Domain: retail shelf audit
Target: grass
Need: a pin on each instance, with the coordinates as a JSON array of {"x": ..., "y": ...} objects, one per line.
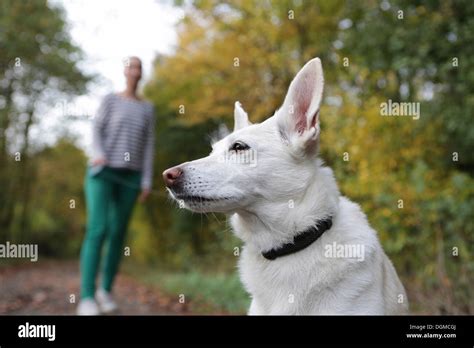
[{"x": 208, "y": 293}]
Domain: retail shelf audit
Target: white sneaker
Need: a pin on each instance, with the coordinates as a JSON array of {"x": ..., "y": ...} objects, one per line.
[
  {"x": 88, "y": 306},
  {"x": 105, "y": 301}
]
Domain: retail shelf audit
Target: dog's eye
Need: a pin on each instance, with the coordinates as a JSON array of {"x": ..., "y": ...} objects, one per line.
[{"x": 239, "y": 146}]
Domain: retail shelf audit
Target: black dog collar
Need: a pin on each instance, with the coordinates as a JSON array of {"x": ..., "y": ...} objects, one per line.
[{"x": 301, "y": 241}]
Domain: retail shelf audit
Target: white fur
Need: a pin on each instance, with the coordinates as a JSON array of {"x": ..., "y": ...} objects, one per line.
[
  {"x": 240, "y": 117},
  {"x": 287, "y": 190}
]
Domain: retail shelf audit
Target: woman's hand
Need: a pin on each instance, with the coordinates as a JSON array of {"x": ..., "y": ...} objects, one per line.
[
  {"x": 99, "y": 161},
  {"x": 144, "y": 195}
]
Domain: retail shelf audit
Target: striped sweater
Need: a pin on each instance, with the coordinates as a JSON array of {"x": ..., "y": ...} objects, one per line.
[{"x": 123, "y": 134}]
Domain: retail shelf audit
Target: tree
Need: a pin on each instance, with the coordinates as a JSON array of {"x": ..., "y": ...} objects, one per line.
[
  {"x": 39, "y": 66},
  {"x": 420, "y": 51},
  {"x": 238, "y": 50}
]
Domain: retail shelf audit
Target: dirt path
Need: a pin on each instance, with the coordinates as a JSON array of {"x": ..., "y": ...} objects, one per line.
[{"x": 46, "y": 288}]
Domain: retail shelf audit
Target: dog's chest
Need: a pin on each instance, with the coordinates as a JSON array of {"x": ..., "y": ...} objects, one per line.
[
  {"x": 304, "y": 283},
  {"x": 279, "y": 287}
]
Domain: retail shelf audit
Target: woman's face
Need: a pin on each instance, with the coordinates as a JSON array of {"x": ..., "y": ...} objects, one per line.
[{"x": 133, "y": 70}]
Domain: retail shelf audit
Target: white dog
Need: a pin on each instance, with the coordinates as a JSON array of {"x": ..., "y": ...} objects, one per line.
[{"x": 308, "y": 250}]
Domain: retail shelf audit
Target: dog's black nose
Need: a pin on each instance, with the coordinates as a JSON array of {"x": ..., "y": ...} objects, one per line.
[{"x": 171, "y": 175}]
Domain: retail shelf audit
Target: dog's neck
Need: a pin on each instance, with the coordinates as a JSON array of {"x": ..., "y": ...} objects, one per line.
[{"x": 268, "y": 225}]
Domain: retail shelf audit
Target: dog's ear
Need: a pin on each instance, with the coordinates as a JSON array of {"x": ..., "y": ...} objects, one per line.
[
  {"x": 298, "y": 117},
  {"x": 241, "y": 119}
]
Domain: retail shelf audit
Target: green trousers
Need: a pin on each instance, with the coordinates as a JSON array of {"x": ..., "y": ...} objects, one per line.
[{"x": 110, "y": 197}]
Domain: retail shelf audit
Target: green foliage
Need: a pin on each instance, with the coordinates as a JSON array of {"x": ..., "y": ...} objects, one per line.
[
  {"x": 419, "y": 52},
  {"x": 38, "y": 67},
  {"x": 57, "y": 201},
  {"x": 427, "y": 56},
  {"x": 239, "y": 50}
]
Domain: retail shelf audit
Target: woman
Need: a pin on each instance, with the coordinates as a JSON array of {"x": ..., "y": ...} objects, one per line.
[{"x": 121, "y": 167}]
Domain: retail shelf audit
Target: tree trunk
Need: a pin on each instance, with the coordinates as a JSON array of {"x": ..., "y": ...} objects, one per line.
[
  {"x": 6, "y": 187},
  {"x": 25, "y": 180}
]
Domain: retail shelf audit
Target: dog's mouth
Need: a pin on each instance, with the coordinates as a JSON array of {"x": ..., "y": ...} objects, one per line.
[
  {"x": 201, "y": 203},
  {"x": 195, "y": 199},
  {"x": 188, "y": 198},
  {"x": 198, "y": 199}
]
